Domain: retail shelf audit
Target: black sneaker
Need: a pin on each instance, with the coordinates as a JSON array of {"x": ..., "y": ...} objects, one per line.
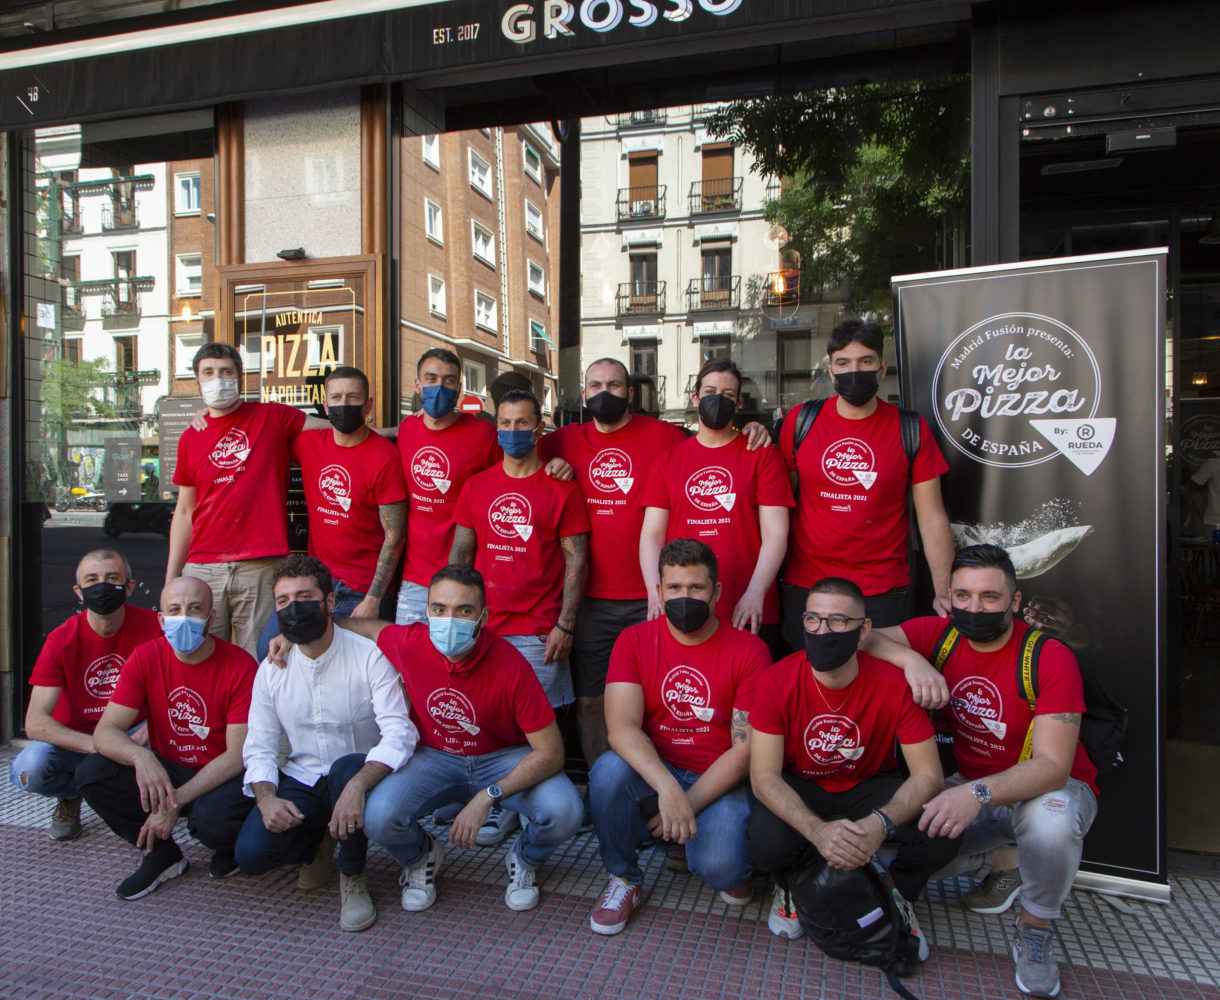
[
  {"x": 153, "y": 870},
  {"x": 222, "y": 865}
]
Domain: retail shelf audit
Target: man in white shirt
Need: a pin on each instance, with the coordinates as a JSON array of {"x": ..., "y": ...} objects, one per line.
[{"x": 340, "y": 707}]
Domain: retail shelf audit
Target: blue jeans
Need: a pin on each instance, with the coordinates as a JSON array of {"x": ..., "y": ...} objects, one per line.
[
  {"x": 412, "y": 603},
  {"x": 550, "y": 811},
  {"x": 555, "y": 677},
  {"x": 48, "y": 769},
  {"x": 619, "y": 799},
  {"x": 259, "y": 850},
  {"x": 346, "y": 600}
]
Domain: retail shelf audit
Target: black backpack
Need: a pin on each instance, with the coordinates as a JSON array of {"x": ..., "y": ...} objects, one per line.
[{"x": 853, "y": 917}]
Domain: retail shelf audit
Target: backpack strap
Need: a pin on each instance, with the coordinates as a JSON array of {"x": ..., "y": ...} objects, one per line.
[
  {"x": 912, "y": 434},
  {"x": 944, "y": 649},
  {"x": 805, "y": 417},
  {"x": 1027, "y": 682}
]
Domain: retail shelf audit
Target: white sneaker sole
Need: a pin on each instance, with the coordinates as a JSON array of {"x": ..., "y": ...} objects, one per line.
[
  {"x": 1000, "y": 907},
  {"x": 782, "y": 929},
  {"x": 1025, "y": 989}
]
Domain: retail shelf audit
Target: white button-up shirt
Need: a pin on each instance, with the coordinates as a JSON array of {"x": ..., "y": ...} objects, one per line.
[{"x": 349, "y": 700}]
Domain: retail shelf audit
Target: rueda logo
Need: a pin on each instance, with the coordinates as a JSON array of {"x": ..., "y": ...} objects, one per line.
[
  {"x": 832, "y": 739},
  {"x": 231, "y": 450},
  {"x": 452, "y": 711},
  {"x": 335, "y": 485},
  {"x": 430, "y": 470},
  {"x": 977, "y": 705},
  {"x": 687, "y": 695},
  {"x": 711, "y": 489},
  {"x": 850, "y": 462},
  {"x": 610, "y": 471},
  {"x": 996, "y": 379},
  {"x": 102, "y": 674},
  {"x": 511, "y": 516},
  {"x": 188, "y": 715}
]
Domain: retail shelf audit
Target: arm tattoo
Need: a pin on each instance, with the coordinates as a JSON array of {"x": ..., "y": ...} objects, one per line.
[
  {"x": 576, "y": 566},
  {"x": 463, "y": 546},
  {"x": 393, "y": 522},
  {"x": 1071, "y": 718},
  {"x": 740, "y": 726}
]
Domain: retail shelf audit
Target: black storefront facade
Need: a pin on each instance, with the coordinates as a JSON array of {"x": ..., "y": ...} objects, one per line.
[{"x": 1091, "y": 126}]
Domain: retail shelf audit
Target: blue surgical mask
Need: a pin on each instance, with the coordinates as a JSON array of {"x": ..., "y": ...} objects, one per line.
[
  {"x": 453, "y": 636},
  {"x": 517, "y": 444},
  {"x": 439, "y": 400},
  {"x": 184, "y": 633}
]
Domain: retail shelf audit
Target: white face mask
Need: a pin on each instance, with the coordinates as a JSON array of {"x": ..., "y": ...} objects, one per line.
[{"x": 220, "y": 393}]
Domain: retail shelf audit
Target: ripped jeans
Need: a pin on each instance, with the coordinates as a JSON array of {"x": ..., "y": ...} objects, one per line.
[{"x": 1049, "y": 833}]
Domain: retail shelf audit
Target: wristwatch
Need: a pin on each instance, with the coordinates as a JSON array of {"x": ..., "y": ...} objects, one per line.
[
  {"x": 888, "y": 823},
  {"x": 981, "y": 792},
  {"x": 494, "y": 793}
]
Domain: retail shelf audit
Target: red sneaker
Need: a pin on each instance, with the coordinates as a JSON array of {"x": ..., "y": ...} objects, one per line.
[{"x": 611, "y": 913}]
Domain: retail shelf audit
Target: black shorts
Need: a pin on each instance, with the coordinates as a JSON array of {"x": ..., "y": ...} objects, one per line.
[{"x": 598, "y": 624}]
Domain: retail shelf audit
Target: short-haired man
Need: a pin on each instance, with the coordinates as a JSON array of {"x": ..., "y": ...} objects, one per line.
[
  {"x": 851, "y": 474},
  {"x": 678, "y": 697},
  {"x": 486, "y": 735},
  {"x": 229, "y": 525},
  {"x": 822, "y": 766},
  {"x": 1023, "y": 776},
  {"x": 713, "y": 488},
  {"x": 613, "y": 456},
  {"x": 338, "y": 704},
  {"x": 195, "y": 691},
  {"x": 73, "y": 680}
]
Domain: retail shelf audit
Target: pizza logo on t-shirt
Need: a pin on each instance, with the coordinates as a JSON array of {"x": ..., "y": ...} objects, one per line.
[
  {"x": 452, "y": 711},
  {"x": 511, "y": 516},
  {"x": 430, "y": 470},
  {"x": 849, "y": 462},
  {"x": 831, "y": 739},
  {"x": 610, "y": 471},
  {"x": 687, "y": 695},
  {"x": 335, "y": 485},
  {"x": 231, "y": 450},
  {"x": 188, "y": 715},
  {"x": 711, "y": 489},
  {"x": 102, "y": 674},
  {"x": 977, "y": 705}
]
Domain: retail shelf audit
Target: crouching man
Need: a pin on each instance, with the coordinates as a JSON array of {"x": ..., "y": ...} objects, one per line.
[{"x": 339, "y": 705}]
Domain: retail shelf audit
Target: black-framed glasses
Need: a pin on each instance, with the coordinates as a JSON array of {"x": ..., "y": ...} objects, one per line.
[{"x": 836, "y": 623}]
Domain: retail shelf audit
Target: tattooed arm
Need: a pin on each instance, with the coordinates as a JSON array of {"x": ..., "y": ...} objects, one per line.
[
  {"x": 728, "y": 770},
  {"x": 393, "y": 524},
  {"x": 576, "y": 568},
  {"x": 464, "y": 542}
]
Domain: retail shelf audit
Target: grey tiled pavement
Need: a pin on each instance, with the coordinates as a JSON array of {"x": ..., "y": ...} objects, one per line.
[{"x": 67, "y": 936}]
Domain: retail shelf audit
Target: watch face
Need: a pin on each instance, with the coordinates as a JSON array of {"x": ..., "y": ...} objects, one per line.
[
  {"x": 494, "y": 791},
  {"x": 981, "y": 792}
]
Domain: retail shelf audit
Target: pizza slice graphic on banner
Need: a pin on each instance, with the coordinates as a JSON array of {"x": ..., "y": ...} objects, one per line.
[
  {"x": 1085, "y": 442},
  {"x": 727, "y": 500}
]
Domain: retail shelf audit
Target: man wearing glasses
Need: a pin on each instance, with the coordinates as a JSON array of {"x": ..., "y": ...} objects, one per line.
[{"x": 822, "y": 762}]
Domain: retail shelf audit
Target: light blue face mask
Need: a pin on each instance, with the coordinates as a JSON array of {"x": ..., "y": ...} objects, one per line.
[
  {"x": 516, "y": 444},
  {"x": 183, "y": 633},
  {"x": 438, "y": 400},
  {"x": 454, "y": 636}
]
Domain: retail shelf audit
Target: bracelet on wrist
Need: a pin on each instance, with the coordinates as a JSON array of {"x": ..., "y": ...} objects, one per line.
[{"x": 564, "y": 629}]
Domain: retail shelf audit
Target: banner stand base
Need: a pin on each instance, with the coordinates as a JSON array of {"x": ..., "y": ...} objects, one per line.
[{"x": 1116, "y": 885}]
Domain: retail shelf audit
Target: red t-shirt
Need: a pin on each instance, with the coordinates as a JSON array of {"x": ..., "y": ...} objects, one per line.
[
  {"x": 436, "y": 465},
  {"x": 690, "y": 692},
  {"x": 851, "y": 516},
  {"x": 239, "y": 468},
  {"x": 988, "y": 714},
  {"x": 612, "y": 470},
  {"x": 842, "y": 737},
  {"x": 713, "y": 494},
  {"x": 85, "y": 666},
  {"x": 487, "y": 702},
  {"x": 518, "y": 524},
  {"x": 344, "y": 487},
  {"x": 188, "y": 704}
]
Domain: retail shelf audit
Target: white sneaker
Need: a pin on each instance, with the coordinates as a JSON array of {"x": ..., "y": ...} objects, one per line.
[
  {"x": 419, "y": 883},
  {"x": 522, "y": 893},
  {"x": 909, "y": 912},
  {"x": 499, "y": 824},
  {"x": 783, "y": 920}
]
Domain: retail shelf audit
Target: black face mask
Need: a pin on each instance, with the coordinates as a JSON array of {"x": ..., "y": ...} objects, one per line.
[
  {"x": 828, "y": 651},
  {"x": 302, "y": 621},
  {"x": 856, "y": 388},
  {"x": 687, "y": 614},
  {"x": 981, "y": 626},
  {"x": 716, "y": 411},
  {"x": 345, "y": 419},
  {"x": 605, "y": 407},
  {"x": 104, "y": 598}
]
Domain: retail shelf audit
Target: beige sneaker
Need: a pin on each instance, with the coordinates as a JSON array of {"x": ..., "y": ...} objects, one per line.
[
  {"x": 65, "y": 819},
  {"x": 317, "y": 874},
  {"x": 357, "y": 912}
]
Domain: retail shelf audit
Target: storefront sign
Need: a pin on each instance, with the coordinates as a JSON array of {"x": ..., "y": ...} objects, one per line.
[
  {"x": 1042, "y": 383},
  {"x": 1199, "y": 438},
  {"x": 174, "y": 415},
  {"x": 121, "y": 469}
]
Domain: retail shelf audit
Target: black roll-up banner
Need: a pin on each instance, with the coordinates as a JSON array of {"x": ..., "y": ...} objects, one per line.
[{"x": 1044, "y": 385}]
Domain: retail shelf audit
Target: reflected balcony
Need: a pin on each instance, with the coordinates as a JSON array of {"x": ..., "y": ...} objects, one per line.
[
  {"x": 641, "y": 202},
  {"x": 119, "y": 216},
  {"x": 722, "y": 195},
  {"x": 640, "y": 118},
  {"x": 714, "y": 291},
  {"x": 639, "y": 298}
]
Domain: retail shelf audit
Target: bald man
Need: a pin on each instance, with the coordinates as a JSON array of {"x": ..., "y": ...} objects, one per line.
[
  {"x": 73, "y": 680},
  {"x": 194, "y": 690}
]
